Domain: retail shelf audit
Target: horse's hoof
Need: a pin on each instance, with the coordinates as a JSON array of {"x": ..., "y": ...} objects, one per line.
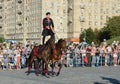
[
  {"x": 28, "y": 73},
  {"x": 43, "y": 73},
  {"x": 52, "y": 73},
  {"x": 58, "y": 74},
  {"x": 37, "y": 74},
  {"x": 48, "y": 73},
  {"x": 47, "y": 76}
]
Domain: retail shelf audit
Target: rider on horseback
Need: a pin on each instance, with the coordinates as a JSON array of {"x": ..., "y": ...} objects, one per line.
[{"x": 48, "y": 27}]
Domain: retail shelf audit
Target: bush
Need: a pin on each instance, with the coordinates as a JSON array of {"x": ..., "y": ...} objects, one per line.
[{"x": 110, "y": 41}]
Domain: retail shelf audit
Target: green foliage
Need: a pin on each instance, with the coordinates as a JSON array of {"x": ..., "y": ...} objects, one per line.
[
  {"x": 113, "y": 39},
  {"x": 113, "y": 26},
  {"x": 109, "y": 31},
  {"x": 104, "y": 34},
  {"x": 2, "y": 39},
  {"x": 97, "y": 36},
  {"x": 88, "y": 34}
]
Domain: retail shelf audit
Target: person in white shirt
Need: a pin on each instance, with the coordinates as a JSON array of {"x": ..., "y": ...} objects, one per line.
[
  {"x": 109, "y": 55},
  {"x": 115, "y": 55},
  {"x": 68, "y": 52},
  {"x": 83, "y": 53},
  {"x": 76, "y": 55},
  {"x": 93, "y": 51},
  {"x": 17, "y": 58}
]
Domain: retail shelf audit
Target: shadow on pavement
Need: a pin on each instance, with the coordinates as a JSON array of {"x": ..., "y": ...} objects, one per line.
[{"x": 108, "y": 81}]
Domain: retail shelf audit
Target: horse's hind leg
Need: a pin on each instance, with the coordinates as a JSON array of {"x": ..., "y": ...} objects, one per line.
[
  {"x": 42, "y": 67},
  {"x": 29, "y": 67}
]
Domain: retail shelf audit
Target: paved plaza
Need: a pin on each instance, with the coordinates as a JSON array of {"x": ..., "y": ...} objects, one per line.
[{"x": 77, "y": 75}]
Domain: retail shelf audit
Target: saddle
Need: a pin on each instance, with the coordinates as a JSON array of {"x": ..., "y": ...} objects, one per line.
[{"x": 37, "y": 49}]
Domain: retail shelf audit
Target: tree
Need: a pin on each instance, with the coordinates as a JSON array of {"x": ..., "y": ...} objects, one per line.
[
  {"x": 113, "y": 26},
  {"x": 88, "y": 34},
  {"x": 97, "y": 36},
  {"x": 104, "y": 34},
  {"x": 2, "y": 39}
]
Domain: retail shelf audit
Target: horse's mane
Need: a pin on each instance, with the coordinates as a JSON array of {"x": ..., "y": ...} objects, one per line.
[
  {"x": 60, "y": 40},
  {"x": 48, "y": 41}
]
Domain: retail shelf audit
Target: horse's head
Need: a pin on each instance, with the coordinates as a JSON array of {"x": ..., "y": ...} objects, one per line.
[
  {"x": 63, "y": 44},
  {"x": 51, "y": 43}
]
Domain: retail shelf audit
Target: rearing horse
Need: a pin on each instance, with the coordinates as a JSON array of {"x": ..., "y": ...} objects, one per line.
[{"x": 56, "y": 54}]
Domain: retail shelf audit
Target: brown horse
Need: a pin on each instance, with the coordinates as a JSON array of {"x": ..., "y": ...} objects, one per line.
[
  {"x": 45, "y": 55},
  {"x": 42, "y": 52},
  {"x": 60, "y": 46}
]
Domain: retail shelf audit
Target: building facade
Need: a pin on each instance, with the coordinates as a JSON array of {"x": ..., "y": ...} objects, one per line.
[
  {"x": 33, "y": 20},
  {"x": 58, "y": 9},
  {"x": 22, "y": 19},
  {"x": 92, "y": 13},
  {"x": 1, "y": 18}
]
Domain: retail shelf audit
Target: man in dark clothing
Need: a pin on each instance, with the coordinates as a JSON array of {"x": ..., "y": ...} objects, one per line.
[{"x": 48, "y": 27}]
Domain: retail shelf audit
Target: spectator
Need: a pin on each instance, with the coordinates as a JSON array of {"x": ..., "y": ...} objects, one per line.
[
  {"x": 77, "y": 55},
  {"x": 115, "y": 54},
  {"x": 97, "y": 56},
  {"x": 119, "y": 54},
  {"x": 83, "y": 53},
  {"x": 17, "y": 57},
  {"x": 109, "y": 54},
  {"x": 93, "y": 51},
  {"x": 23, "y": 57},
  {"x": 28, "y": 50},
  {"x": 88, "y": 54},
  {"x": 68, "y": 56},
  {"x": 1, "y": 57}
]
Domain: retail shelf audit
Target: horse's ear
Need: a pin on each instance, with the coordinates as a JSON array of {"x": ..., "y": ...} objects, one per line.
[{"x": 65, "y": 40}]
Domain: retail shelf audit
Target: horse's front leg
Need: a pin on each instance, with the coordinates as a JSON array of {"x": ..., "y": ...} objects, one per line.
[
  {"x": 46, "y": 70},
  {"x": 60, "y": 66},
  {"x": 52, "y": 67}
]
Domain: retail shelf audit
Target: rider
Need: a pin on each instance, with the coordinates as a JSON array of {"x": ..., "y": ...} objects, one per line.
[{"x": 48, "y": 27}]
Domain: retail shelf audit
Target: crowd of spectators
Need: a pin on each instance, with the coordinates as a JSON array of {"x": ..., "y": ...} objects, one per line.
[
  {"x": 14, "y": 56},
  {"x": 92, "y": 55}
]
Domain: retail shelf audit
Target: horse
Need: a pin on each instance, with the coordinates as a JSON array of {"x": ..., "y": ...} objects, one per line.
[
  {"x": 41, "y": 52},
  {"x": 45, "y": 55},
  {"x": 60, "y": 46}
]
